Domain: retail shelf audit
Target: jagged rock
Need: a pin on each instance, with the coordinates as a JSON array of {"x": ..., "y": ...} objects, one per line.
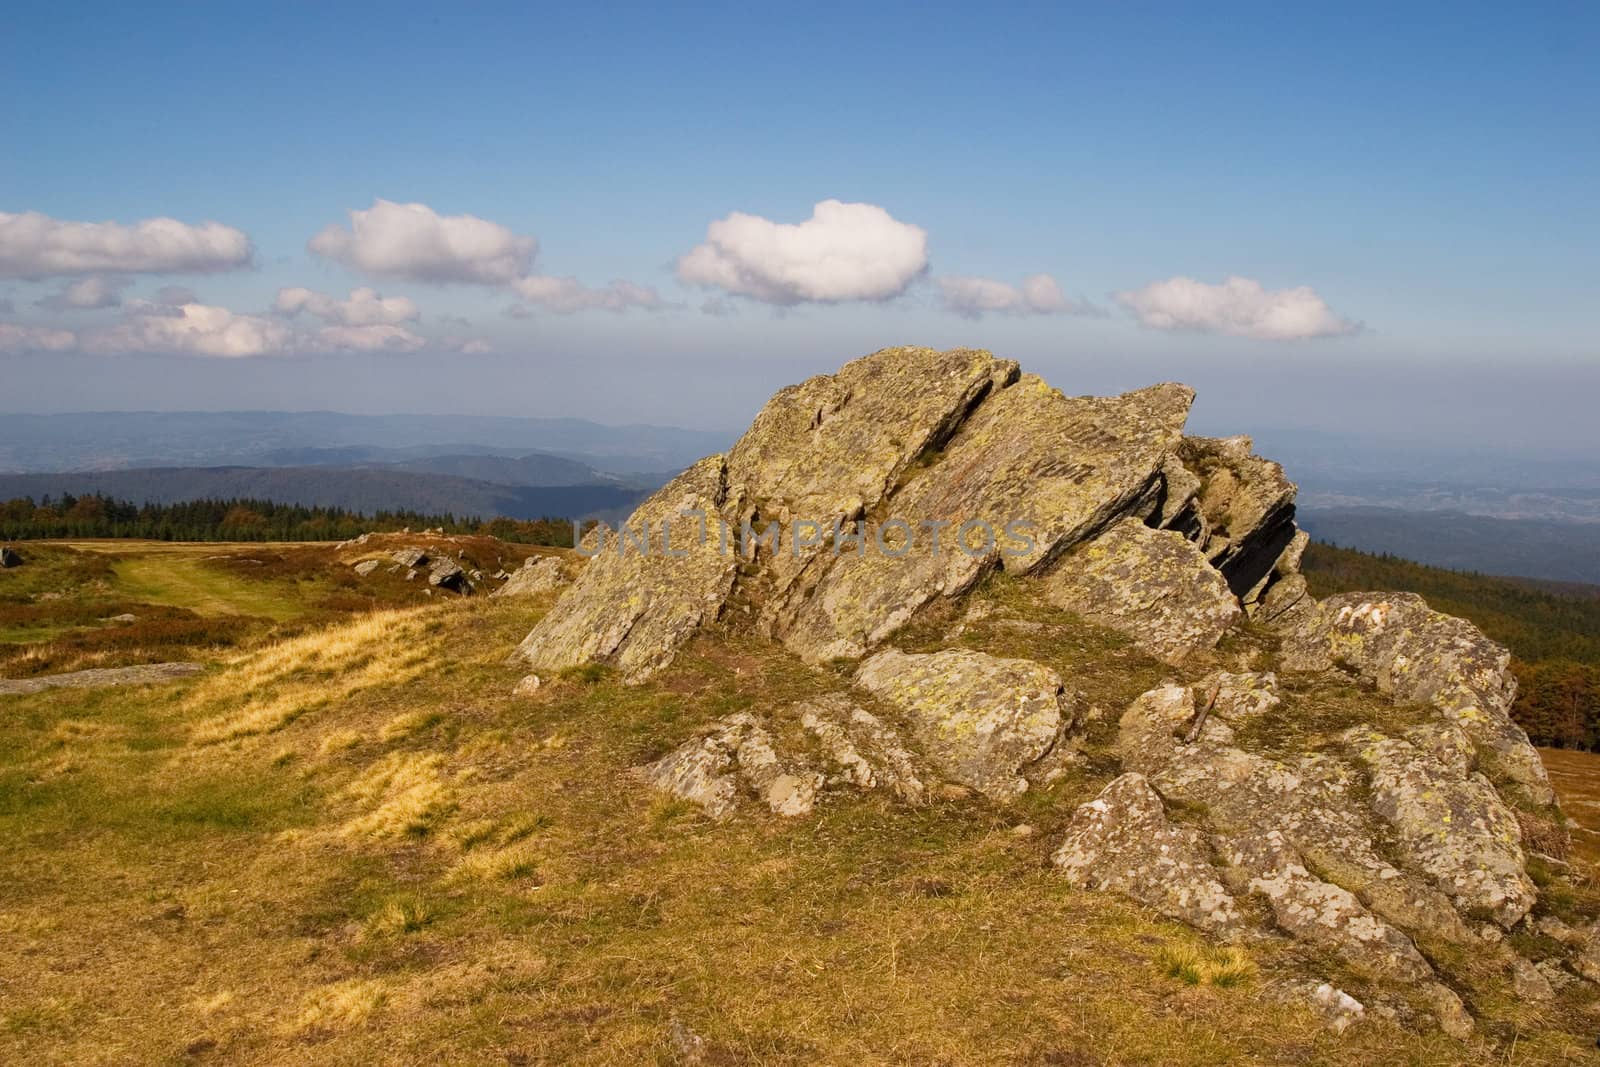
[
  {"x": 1418, "y": 655},
  {"x": 1450, "y": 824},
  {"x": 1528, "y": 982},
  {"x": 1152, "y": 585},
  {"x": 869, "y": 752},
  {"x": 1123, "y": 841},
  {"x": 367, "y": 566},
  {"x": 709, "y": 770},
  {"x": 633, "y": 607},
  {"x": 447, "y": 574},
  {"x": 1180, "y": 487},
  {"x": 1587, "y": 960},
  {"x": 1448, "y": 1010},
  {"x": 982, "y": 721},
  {"x": 409, "y": 557},
  {"x": 1058, "y": 469},
  {"x": 9, "y": 557},
  {"x": 539, "y": 574},
  {"x": 1246, "y": 506}
]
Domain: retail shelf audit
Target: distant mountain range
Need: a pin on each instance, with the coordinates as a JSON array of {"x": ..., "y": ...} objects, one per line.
[{"x": 128, "y": 439}]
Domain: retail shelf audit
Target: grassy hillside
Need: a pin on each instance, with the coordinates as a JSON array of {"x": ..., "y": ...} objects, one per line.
[
  {"x": 1553, "y": 632},
  {"x": 352, "y": 844}
]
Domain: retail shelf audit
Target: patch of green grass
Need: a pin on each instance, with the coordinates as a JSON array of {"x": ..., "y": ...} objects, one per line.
[{"x": 198, "y": 585}]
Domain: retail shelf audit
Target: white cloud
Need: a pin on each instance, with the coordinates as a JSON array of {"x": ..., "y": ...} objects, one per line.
[
  {"x": 1239, "y": 307},
  {"x": 33, "y": 245},
  {"x": 87, "y": 294},
  {"x": 467, "y": 346},
  {"x": 365, "y": 307},
  {"x": 566, "y": 295},
  {"x": 413, "y": 241},
  {"x": 15, "y": 338},
  {"x": 843, "y": 252},
  {"x": 1039, "y": 294},
  {"x": 373, "y": 337},
  {"x": 194, "y": 330}
]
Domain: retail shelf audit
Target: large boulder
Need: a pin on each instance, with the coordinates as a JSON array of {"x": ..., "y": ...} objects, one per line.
[
  {"x": 9, "y": 557},
  {"x": 983, "y": 722},
  {"x": 1243, "y": 513},
  {"x": 1153, "y": 585},
  {"x": 638, "y": 600}
]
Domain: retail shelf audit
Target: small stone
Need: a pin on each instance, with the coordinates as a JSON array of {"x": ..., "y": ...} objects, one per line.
[
  {"x": 9, "y": 557},
  {"x": 529, "y": 684},
  {"x": 1022, "y": 829},
  {"x": 1339, "y": 1008}
]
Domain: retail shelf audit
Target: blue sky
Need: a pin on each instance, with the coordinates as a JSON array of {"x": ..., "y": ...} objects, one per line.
[{"x": 1427, "y": 176}]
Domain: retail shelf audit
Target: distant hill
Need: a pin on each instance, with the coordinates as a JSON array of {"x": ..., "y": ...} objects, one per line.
[
  {"x": 1532, "y": 548},
  {"x": 353, "y": 489},
  {"x": 128, "y": 439}
]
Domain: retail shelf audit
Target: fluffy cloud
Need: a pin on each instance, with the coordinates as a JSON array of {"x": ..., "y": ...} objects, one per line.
[
  {"x": 566, "y": 295},
  {"x": 467, "y": 346},
  {"x": 87, "y": 294},
  {"x": 413, "y": 241},
  {"x": 1039, "y": 294},
  {"x": 15, "y": 338},
  {"x": 37, "y": 246},
  {"x": 1239, "y": 307},
  {"x": 365, "y": 307},
  {"x": 195, "y": 330},
  {"x": 373, "y": 337},
  {"x": 842, "y": 252}
]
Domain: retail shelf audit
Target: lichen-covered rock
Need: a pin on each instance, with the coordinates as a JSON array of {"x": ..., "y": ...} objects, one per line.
[
  {"x": 409, "y": 557},
  {"x": 538, "y": 574},
  {"x": 1152, "y": 585},
  {"x": 709, "y": 770},
  {"x": 1054, "y": 469},
  {"x": 1318, "y": 912},
  {"x": 982, "y": 721},
  {"x": 1246, "y": 505},
  {"x": 1418, "y": 655},
  {"x": 1450, "y": 824},
  {"x": 634, "y": 605},
  {"x": 367, "y": 566},
  {"x": 1122, "y": 841},
  {"x": 867, "y": 751},
  {"x": 447, "y": 574}
]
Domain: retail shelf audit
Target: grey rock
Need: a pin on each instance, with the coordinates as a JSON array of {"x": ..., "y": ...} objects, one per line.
[
  {"x": 709, "y": 771},
  {"x": 101, "y": 678},
  {"x": 9, "y": 557},
  {"x": 538, "y": 575},
  {"x": 982, "y": 721},
  {"x": 1152, "y": 585},
  {"x": 1122, "y": 841},
  {"x": 367, "y": 566},
  {"x": 868, "y": 752},
  {"x": 409, "y": 557}
]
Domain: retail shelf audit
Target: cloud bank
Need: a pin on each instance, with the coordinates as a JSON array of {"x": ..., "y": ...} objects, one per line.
[
  {"x": 33, "y": 245},
  {"x": 843, "y": 252},
  {"x": 364, "y": 307},
  {"x": 414, "y": 242},
  {"x": 567, "y": 295},
  {"x": 1239, "y": 307},
  {"x": 16, "y": 338},
  {"x": 193, "y": 330},
  {"x": 1039, "y": 294}
]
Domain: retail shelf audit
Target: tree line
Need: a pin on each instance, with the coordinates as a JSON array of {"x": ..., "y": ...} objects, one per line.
[
  {"x": 22, "y": 519},
  {"x": 1553, "y": 634}
]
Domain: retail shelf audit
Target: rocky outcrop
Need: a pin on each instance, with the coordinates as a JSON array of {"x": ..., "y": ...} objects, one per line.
[
  {"x": 983, "y": 722},
  {"x": 447, "y": 574},
  {"x": 1390, "y": 842},
  {"x": 1152, "y": 585}
]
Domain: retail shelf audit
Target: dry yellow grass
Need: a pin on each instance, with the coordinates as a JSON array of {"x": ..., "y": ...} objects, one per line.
[
  {"x": 404, "y": 793},
  {"x": 267, "y": 690},
  {"x": 340, "y": 1007}
]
